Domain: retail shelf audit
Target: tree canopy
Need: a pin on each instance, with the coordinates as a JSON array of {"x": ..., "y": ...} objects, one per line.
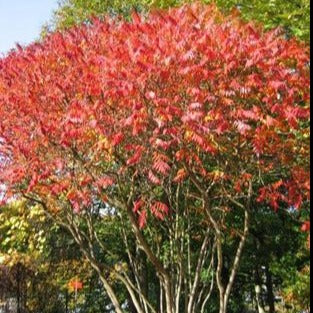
[{"x": 292, "y": 16}]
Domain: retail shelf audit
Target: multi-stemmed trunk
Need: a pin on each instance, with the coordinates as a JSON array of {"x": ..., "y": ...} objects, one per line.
[{"x": 170, "y": 290}]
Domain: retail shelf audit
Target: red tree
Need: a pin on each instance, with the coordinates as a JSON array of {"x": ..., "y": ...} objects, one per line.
[{"x": 127, "y": 112}]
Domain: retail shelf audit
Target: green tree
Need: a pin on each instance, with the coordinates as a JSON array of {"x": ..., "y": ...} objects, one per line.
[
  {"x": 293, "y": 16},
  {"x": 38, "y": 259},
  {"x": 24, "y": 253}
]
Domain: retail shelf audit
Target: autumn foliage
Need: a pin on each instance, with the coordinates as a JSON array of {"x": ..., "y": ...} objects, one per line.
[
  {"x": 181, "y": 95},
  {"x": 178, "y": 126}
]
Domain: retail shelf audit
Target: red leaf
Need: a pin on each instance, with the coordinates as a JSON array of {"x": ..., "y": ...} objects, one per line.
[
  {"x": 153, "y": 178},
  {"x": 136, "y": 18},
  {"x": 306, "y": 226},
  {"x": 278, "y": 184},
  {"x": 180, "y": 176},
  {"x": 195, "y": 105},
  {"x": 117, "y": 139},
  {"x": 138, "y": 205},
  {"x": 33, "y": 182},
  {"x": 136, "y": 158},
  {"x": 242, "y": 127},
  {"x": 276, "y": 85},
  {"x": 142, "y": 220},
  {"x": 193, "y": 116},
  {"x": 162, "y": 144},
  {"x": 159, "y": 210},
  {"x": 104, "y": 182},
  {"x": 150, "y": 95},
  {"x": 160, "y": 163},
  {"x": 161, "y": 167}
]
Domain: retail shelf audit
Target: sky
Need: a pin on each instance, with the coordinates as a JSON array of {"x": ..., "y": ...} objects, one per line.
[{"x": 21, "y": 21}]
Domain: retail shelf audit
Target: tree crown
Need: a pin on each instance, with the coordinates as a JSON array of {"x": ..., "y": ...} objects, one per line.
[{"x": 183, "y": 95}]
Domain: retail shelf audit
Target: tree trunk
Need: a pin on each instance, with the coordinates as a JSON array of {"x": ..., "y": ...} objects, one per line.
[
  {"x": 143, "y": 272},
  {"x": 270, "y": 293},
  {"x": 168, "y": 296},
  {"x": 132, "y": 308},
  {"x": 18, "y": 291},
  {"x": 66, "y": 301},
  {"x": 161, "y": 293},
  {"x": 258, "y": 292},
  {"x": 222, "y": 307},
  {"x": 111, "y": 294}
]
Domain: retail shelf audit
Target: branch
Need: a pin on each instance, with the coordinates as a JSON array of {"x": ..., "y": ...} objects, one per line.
[
  {"x": 240, "y": 248},
  {"x": 154, "y": 260},
  {"x": 199, "y": 267},
  {"x": 212, "y": 284}
]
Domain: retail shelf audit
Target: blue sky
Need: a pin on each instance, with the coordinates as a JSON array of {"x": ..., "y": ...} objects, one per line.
[{"x": 21, "y": 21}]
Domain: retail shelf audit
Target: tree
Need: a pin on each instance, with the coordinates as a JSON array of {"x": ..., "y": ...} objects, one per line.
[
  {"x": 292, "y": 16},
  {"x": 291, "y": 267},
  {"x": 38, "y": 260},
  {"x": 22, "y": 243},
  {"x": 275, "y": 258},
  {"x": 167, "y": 127}
]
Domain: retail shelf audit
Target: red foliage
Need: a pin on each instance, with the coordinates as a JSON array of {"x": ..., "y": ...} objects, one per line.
[
  {"x": 137, "y": 205},
  {"x": 159, "y": 210},
  {"x": 142, "y": 221},
  {"x": 75, "y": 285},
  {"x": 182, "y": 91},
  {"x": 306, "y": 227}
]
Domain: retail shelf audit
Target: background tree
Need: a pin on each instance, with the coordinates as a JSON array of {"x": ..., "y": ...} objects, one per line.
[
  {"x": 292, "y": 16},
  {"x": 38, "y": 260}
]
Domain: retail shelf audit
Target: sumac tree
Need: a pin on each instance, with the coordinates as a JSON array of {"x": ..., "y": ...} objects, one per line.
[{"x": 166, "y": 124}]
